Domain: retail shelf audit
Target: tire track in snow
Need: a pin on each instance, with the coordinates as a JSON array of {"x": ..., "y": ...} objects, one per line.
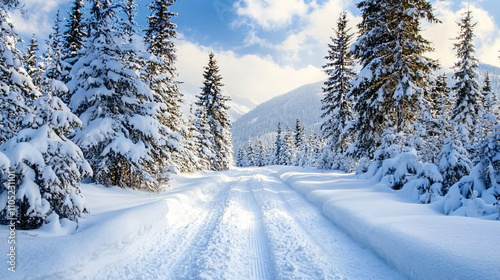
[
  {"x": 295, "y": 254},
  {"x": 171, "y": 246},
  {"x": 349, "y": 257},
  {"x": 237, "y": 248}
]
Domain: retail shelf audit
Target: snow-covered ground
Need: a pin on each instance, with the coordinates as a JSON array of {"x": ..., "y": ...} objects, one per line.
[{"x": 257, "y": 223}]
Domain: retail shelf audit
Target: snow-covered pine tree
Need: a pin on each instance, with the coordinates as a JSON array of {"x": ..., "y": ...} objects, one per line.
[
  {"x": 74, "y": 36},
  {"x": 278, "y": 147},
  {"x": 240, "y": 158},
  {"x": 54, "y": 54},
  {"x": 16, "y": 88},
  {"x": 121, "y": 135},
  {"x": 393, "y": 80},
  {"x": 32, "y": 61},
  {"x": 467, "y": 108},
  {"x": 260, "y": 152},
  {"x": 205, "y": 139},
  {"x": 213, "y": 104},
  {"x": 298, "y": 134},
  {"x": 249, "y": 154},
  {"x": 454, "y": 159},
  {"x": 160, "y": 72},
  {"x": 337, "y": 113},
  {"x": 190, "y": 146},
  {"x": 48, "y": 166},
  {"x": 288, "y": 148}
]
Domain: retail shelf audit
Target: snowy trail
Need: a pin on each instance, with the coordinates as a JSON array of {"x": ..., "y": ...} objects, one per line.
[{"x": 250, "y": 226}]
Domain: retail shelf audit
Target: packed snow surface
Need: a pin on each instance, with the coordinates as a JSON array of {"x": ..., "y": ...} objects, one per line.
[{"x": 258, "y": 223}]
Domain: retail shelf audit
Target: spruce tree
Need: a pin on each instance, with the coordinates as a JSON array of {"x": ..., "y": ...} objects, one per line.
[
  {"x": 74, "y": 36},
  {"x": 32, "y": 61},
  {"x": 213, "y": 104},
  {"x": 48, "y": 166},
  {"x": 278, "y": 147},
  {"x": 53, "y": 57},
  {"x": 250, "y": 154},
  {"x": 467, "y": 108},
  {"x": 160, "y": 72},
  {"x": 16, "y": 87},
  {"x": 122, "y": 136},
  {"x": 394, "y": 77},
  {"x": 337, "y": 113},
  {"x": 298, "y": 134}
]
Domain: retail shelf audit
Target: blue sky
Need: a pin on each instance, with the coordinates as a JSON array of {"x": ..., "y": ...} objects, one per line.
[{"x": 267, "y": 47}]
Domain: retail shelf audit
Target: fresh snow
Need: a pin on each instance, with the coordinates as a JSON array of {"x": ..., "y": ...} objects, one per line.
[{"x": 258, "y": 223}]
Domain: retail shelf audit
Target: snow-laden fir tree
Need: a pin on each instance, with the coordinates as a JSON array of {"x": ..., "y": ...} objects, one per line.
[
  {"x": 32, "y": 61},
  {"x": 121, "y": 136},
  {"x": 260, "y": 152},
  {"x": 212, "y": 104},
  {"x": 279, "y": 147},
  {"x": 48, "y": 166},
  {"x": 454, "y": 159},
  {"x": 337, "y": 112},
  {"x": 467, "y": 108},
  {"x": 240, "y": 158},
  {"x": 394, "y": 77},
  {"x": 250, "y": 154},
  {"x": 288, "y": 149},
  {"x": 74, "y": 36},
  {"x": 190, "y": 136},
  {"x": 160, "y": 72},
  {"x": 16, "y": 88},
  {"x": 298, "y": 134},
  {"x": 53, "y": 56}
]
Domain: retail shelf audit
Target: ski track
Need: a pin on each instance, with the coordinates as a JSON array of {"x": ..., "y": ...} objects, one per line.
[{"x": 252, "y": 227}]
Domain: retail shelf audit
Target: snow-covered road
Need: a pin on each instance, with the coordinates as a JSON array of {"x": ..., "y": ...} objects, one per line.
[{"x": 249, "y": 226}]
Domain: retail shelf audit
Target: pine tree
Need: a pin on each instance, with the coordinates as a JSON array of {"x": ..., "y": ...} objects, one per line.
[
  {"x": 240, "y": 158},
  {"x": 278, "y": 147},
  {"x": 337, "y": 113},
  {"x": 122, "y": 136},
  {"x": 298, "y": 134},
  {"x": 467, "y": 108},
  {"x": 393, "y": 81},
  {"x": 160, "y": 72},
  {"x": 74, "y": 35},
  {"x": 260, "y": 154},
  {"x": 190, "y": 135},
  {"x": 16, "y": 87},
  {"x": 48, "y": 166},
  {"x": 454, "y": 163},
  {"x": 288, "y": 148},
  {"x": 53, "y": 57},
  {"x": 32, "y": 61},
  {"x": 212, "y": 104},
  {"x": 250, "y": 154}
]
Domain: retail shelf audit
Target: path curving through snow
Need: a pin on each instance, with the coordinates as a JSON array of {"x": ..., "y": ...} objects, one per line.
[{"x": 250, "y": 225}]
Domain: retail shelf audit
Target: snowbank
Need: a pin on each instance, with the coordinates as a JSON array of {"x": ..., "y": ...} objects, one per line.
[
  {"x": 121, "y": 221},
  {"x": 415, "y": 238}
]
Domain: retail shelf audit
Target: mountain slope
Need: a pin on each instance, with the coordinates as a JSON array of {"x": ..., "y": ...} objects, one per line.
[{"x": 304, "y": 103}]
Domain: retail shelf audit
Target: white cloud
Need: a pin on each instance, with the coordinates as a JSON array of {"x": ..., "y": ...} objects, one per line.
[
  {"x": 270, "y": 14},
  {"x": 248, "y": 76},
  {"x": 35, "y": 17},
  {"x": 487, "y": 40}
]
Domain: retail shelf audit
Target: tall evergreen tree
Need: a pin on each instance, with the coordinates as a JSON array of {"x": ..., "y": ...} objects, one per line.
[
  {"x": 16, "y": 87},
  {"x": 278, "y": 147},
  {"x": 54, "y": 54},
  {"x": 467, "y": 108},
  {"x": 75, "y": 34},
  {"x": 122, "y": 136},
  {"x": 32, "y": 61},
  {"x": 213, "y": 104},
  {"x": 160, "y": 72},
  {"x": 393, "y": 81},
  {"x": 337, "y": 113},
  {"x": 298, "y": 134}
]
